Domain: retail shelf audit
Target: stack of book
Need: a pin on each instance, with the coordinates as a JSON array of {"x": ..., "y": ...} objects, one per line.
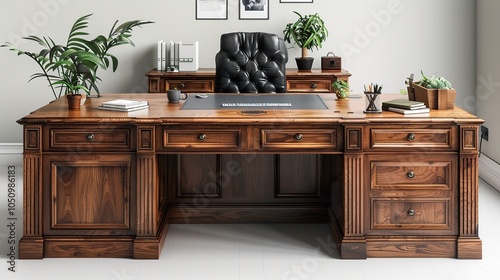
[
  {"x": 124, "y": 105},
  {"x": 405, "y": 106}
]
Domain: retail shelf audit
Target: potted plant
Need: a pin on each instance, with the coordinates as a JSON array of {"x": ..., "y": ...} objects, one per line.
[
  {"x": 307, "y": 32},
  {"x": 435, "y": 92},
  {"x": 341, "y": 89},
  {"x": 72, "y": 67}
]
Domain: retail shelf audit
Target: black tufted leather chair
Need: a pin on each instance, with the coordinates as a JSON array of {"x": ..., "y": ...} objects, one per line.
[{"x": 251, "y": 62}]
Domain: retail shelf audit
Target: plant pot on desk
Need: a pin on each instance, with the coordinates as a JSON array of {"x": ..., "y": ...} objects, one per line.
[
  {"x": 74, "y": 101},
  {"x": 435, "y": 99}
]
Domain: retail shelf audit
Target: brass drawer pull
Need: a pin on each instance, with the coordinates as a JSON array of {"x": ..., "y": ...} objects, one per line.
[
  {"x": 410, "y": 175},
  {"x": 411, "y": 212},
  {"x": 90, "y": 137},
  {"x": 202, "y": 136},
  {"x": 314, "y": 85},
  {"x": 410, "y": 137},
  {"x": 298, "y": 137}
]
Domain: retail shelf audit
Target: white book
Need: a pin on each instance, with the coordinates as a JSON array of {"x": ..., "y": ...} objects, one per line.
[
  {"x": 409, "y": 112},
  {"x": 161, "y": 55},
  {"x": 123, "y": 109},
  {"x": 125, "y": 103}
]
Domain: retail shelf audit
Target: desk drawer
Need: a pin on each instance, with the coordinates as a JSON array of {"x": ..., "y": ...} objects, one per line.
[
  {"x": 410, "y": 214},
  {"x": 90, "y": 139},
  {"x": 412, "y": 172},
  {"x": 412, "y": 138},
  {"x": 202, "y": 138},
  {"x": 309, "y": 85},
  {"x": 190, "y": 85},
  {"x": 298, "y": 138}
]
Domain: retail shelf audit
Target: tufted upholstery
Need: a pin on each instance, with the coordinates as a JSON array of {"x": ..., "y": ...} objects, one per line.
[{"x": 251, "y": 63}]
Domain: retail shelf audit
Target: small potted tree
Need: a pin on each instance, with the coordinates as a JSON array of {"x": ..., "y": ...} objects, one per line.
[
  {"x": 307, "y": 32},
  {"x": 72, "y": 68},
  {"x": 341, "y": 89}
]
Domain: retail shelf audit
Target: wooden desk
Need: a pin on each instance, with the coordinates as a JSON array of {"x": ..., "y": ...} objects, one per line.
[
  {"x": 203, "y": 80},
  {"x": 108, "y": 184}
]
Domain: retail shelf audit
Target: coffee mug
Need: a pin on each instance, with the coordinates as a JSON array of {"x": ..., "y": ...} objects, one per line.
[{"x": 174, "y": 95}]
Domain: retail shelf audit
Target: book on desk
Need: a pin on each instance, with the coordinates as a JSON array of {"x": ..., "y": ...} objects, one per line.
[{"x": 405, "y": 106}]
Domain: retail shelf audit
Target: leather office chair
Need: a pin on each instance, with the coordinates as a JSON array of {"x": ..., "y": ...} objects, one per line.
[{"x": 251, "y": 62}]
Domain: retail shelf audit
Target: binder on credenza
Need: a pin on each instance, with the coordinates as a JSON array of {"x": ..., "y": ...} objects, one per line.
[{"x": 161, "y": 55}]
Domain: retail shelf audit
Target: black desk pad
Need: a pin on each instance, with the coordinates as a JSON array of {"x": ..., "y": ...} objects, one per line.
[{"x": 254, "y": 101}]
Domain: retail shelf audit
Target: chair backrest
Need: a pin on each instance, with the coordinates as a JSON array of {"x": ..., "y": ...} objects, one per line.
[{"x": 251, "y": 62}]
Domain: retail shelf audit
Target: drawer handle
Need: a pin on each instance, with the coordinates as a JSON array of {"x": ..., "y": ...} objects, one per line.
[
  {"x": 314, "y": 85},
  {"x": 202, "y": 136},
  {"x": 182, "y": 85},
  {"x": 410, "y": 175},
  {"x": 298, "y": 137},
  {"x": 410, "y": 136},
  {"x": 90, "y": 137},
  {"x": 411, "y": 212}
]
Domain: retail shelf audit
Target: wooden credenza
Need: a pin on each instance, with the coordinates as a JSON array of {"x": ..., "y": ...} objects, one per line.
[
  {"x": 108, "y": 184},
  {"x": 203, "y": 80}
]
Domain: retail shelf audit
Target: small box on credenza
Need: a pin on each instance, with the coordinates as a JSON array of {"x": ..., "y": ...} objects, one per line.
[{"x": 331, "y": 62}]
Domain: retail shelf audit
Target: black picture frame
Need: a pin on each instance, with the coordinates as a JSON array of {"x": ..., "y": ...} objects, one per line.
[
  {"x": 258, "y": 9},
  {"x": 211, "y": 9}
]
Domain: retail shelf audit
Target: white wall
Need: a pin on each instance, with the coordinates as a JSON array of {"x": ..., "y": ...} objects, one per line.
[
  {"x": 488, "y": 73},
  {"x": 379, "y": 41}
]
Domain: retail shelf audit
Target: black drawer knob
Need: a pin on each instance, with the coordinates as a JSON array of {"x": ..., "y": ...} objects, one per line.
[
  {"x": 410, "y": 136},
  {"x": 298, "y": 137},
  {"x": 411, "y": 212},
  {"x": 314, "y": 85},
  {"x": 202, "y": 136},
  {"x": 410, "y": 175},
  {"x": 182, "y": 85},
  {"x": 90, "y": 137}
]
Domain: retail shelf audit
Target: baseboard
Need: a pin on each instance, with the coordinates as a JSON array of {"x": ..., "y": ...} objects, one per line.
[
  {"x": 11, "y": 148},
  {"x": 489, "y": 170}
]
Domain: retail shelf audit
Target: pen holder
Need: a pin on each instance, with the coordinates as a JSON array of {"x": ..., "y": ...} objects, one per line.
[{"x": 373, "y": 102}]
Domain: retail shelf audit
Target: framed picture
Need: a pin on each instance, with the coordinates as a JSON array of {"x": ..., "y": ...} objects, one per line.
[
  {"x": 296, "y": 1},
  {"x": 211, "y": 9},
  {"x": 254, "y": 9}
]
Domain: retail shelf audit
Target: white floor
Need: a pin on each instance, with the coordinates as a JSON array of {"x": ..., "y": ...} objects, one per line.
[{"x": 254, "y": 252}]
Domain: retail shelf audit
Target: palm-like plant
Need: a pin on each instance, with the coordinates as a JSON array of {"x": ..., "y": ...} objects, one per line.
[
  {"x": 307, "y": 32},
  {"x": 73, "y": 67}
]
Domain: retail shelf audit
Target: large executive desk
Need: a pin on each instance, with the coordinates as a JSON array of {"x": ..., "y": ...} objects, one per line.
[{"x": 108, "y": 184}]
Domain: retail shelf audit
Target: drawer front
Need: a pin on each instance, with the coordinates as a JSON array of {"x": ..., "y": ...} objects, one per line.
[
  {"x": 229, "y": 139},
  {"x": 411, "y": 172},
  {"x": 309, "y": 85},
  {"x": 190, "y": 85},
  {"x": 298, "y": 138},
  {"x": 410, "y": 214},
  {"x": 413, "y": 138},
  {"x": 90, "y": 139}
]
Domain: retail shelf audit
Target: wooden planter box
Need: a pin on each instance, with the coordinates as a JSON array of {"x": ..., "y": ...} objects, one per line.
[{"x": 436, "y": 99}]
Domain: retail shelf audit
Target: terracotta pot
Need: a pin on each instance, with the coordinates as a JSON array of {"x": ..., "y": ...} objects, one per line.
[{"x": 74, "y": 101}]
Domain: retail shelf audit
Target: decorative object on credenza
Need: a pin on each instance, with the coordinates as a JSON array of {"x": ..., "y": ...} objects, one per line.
[
  {"x": 307, "y": 32},
  {"x": 436, "y": 92},
  {"x": 254, "y": 9},
  {"x": 331, "y": 62},
  {"x": 211, "y": 9},
  {"x": 373, "y": 102},
  {"x": 341, "y": 89},
  {"x": 73, "y": 67}
]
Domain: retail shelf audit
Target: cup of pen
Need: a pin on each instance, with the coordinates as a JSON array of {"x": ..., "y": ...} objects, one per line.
[{"x": 373, "y": 102}]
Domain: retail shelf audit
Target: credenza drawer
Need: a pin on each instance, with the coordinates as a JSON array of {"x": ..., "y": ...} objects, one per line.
[
  {"x": 83, "y": 139},
  {"x": 309, "y": 85},
  {"x": 410, "y": 214},
  {"x": 298, "y": 138},
  {"x": 202, "y": 138},
  {"x": 412, "y": 138},
  {"x": 190, "y": 85}
]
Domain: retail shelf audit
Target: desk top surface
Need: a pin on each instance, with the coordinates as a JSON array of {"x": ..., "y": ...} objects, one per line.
[{"x": 160, "y": 111}]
